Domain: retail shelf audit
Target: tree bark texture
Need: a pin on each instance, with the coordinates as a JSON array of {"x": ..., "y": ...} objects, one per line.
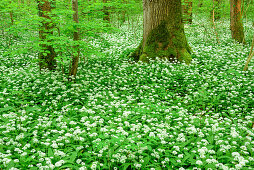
[
  {"x": 236, "y": 24},
  {"x": 187, "y": 11},
  {"x": 75, "y": 57},
  {"x": 163, "y": 34},
  {"x": 47, "y": 54}
]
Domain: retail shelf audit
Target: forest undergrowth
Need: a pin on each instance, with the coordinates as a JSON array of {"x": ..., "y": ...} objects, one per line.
[{"x": 124, "y": 115}]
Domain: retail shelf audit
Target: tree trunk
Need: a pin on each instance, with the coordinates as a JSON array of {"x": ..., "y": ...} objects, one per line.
[
  {"x": 187, "y": 11},
  {"x": 250, "y": 55},
  {"x": 213, "y": 21},
  {"x": 47, "y": 54},
  {"x": 163, "y": 34},
  {"x": 216, "y": 11},
  {"x": 236, "y": 24},
  {"x": 123, "y": 13},
  {"x": 106, "y": 12},
  {"x": 75, "y": 57},
  {"x": 11, "y": 15}
]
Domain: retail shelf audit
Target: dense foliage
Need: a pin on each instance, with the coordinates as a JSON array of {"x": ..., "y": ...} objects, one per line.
[{"x": 120, "y": 114}]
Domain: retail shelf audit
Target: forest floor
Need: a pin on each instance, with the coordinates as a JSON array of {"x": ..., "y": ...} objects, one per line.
[{"x": 119, "y": 115}]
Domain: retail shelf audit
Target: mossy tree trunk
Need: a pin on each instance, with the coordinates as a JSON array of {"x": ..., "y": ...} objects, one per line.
[
  {"x": 236, "y": 24},
  {"x": 163, "y": 35},
  {"x": 75, "y": 57},
  {"x": 47, "y": 54}
]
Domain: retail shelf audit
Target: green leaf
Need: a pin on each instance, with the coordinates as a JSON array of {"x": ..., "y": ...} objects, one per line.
[
  {"x": 68, "y": 165},
  {"x": 50, "y": 152},
  {"x": 146, "y": 160},
  {"x": 73, "y": 156},
  {"x": 7, "y": 108},
  {"x": 10, "y": 165},
  {"x": 125, "y": 166},
  {"x": 30, "y": 109}
]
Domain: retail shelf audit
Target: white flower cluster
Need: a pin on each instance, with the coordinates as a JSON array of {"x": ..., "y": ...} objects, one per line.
[{"x": 241, "y": 161}]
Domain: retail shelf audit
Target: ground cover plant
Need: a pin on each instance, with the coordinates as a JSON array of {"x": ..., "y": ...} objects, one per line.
[{"x": 124, "y": 115}]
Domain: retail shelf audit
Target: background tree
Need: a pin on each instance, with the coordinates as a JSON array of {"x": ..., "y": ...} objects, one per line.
[
  {"x": 75, "y": 57},
  {"x": 163, "y": 34},
  {"x": 47, "y": 54},
  {"x": 250, "y": 55},
  {"x": 216, "y": 10},
  {"x": 187, "y": 11},
  {"x": 106, "y": 12},
  {"x": 11, "y": 16},
  {"x": 215, "y": 17},
  {"x": 236, "y": 24}
]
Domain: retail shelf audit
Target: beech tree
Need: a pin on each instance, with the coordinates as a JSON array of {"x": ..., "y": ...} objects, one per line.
[
  {"x": 163, "y": 34},
  {"x": 47, "y": 54},
  {"x": 236, "y": 24}
]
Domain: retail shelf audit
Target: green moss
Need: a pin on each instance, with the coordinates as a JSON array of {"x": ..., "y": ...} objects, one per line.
[
  {"x": 166, "y": 43},
  {"x": 157, "y": 42},
  {"x": 159, "y": 34},
  {"x": 144, "y": 58},
  {"x": 239, "y": 36},
  {"x": 184, "y": 56},
  {"x": 188, "y": 48},
  {"x": 138, "y": 51},
  {"x": 179, "y": 40}
]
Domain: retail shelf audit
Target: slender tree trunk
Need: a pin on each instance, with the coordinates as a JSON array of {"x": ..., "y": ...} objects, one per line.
[
  {"x": 75, "y": 57},
  {"x": 47, "y": 55},
  {"x": 11, "y": 15},
  {"x": 213, "y": 20},
  {"x": 187, "y": 11},
  {"x": 163, "y": 34},
  {"x": 216, "y": 11},
  {"x": 250, "y": 55},
  {"x": 236, "y": 24},
  {"x": 106, "y": 12},
  {"x": 123, "y": 13}
]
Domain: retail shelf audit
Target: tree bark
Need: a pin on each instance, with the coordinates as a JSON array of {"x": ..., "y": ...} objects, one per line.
[
  {"x": 11, "y": 15},
  {"x": 75, "y": 57},
  {"x": 163, "y": 34},
  {"x": 236, "y": 24},
  {"x": 123, "y": 13},
  {"x": 187, "y": 11},
  {"x": 106, "y": 16},
  {"x": 216, "y": 11},
  {"x": 213, "y": 21},
  {"x": 47, "y": 54},
  {"x": 250, "y": 55}
]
